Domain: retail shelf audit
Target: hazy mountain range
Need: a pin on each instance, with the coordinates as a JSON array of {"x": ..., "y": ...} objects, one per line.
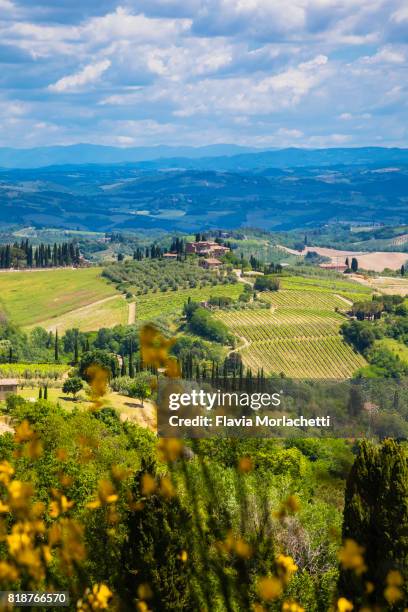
[
  {"x": 212, "y": 157},
  {"x": 291, "y": 188},
  {"x": 96, "y": 154}
]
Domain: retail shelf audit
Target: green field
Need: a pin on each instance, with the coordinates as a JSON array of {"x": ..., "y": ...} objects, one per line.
[
  {"x": 108, "y": 313},
  {"x": 153, "y": 305},
  {"x": 398, "y": 349},
  {"x": 30, "y": 298},
  {"x": 298, "y": 336}
]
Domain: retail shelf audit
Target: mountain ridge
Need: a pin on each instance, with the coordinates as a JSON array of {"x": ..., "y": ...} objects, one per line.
[{"x": 210, "y": 157}]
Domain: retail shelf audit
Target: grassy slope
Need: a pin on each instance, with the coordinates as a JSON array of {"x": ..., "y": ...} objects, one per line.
[
  {"x": 90, "y": 318},
  {"x": 300, "y": 334},
  {"x": 29, "y": 298},
  {"x": 396, "y": 348},
  {"x": 129, "y": 408}
]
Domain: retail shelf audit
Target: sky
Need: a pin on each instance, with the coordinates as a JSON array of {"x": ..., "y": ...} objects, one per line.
[{"x": 261, "y": 73}]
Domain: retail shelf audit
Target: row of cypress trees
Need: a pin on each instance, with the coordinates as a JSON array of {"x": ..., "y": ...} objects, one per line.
[{"x": 24, "y": 254}]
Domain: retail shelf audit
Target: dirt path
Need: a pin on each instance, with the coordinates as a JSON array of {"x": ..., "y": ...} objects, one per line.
[
  {"x": 132, "y": 313},
  {"x": 241, "y": 279},
  {"x": 341, "y": 297},
  {"x": 237, "y": 349}
]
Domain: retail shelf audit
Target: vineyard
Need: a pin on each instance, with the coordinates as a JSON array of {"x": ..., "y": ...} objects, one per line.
[
  {"x": 298, "y": 336},
  {"x": 32, "y": 371},
  {"x": 153, "y": 305}
]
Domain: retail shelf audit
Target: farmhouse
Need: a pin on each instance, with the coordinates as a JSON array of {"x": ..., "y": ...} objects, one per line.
[
  {"x": 170, "y": 255},
  {"x": 7, "y": 386},
  {"x": 206, "y": 247},
  {"x": 211, "y": 263},
  {"x": 332, "y": 266}
]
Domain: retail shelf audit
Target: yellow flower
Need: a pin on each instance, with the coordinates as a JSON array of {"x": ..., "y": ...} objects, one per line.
[
  {"x": 351, "y": 557},
  {"x": 6, "y": 472},
  {"x": 286, "y": 567},
  {"x": 392, "y": 594},
  {"x": 23, "y": 432},
  {"x": 154, "y": 346},
  {"x": 344, "y": 605},
  {"x": 54, "y": 509},
  {"x": 243, "y": 549},
  {"x": 269, "y": 588},
  {"x": 394, "y": 578},
  {"x": 245, "y": 465},
  {"x": 292, "y": 606},
  {"x": 183, "y": 556},
  {"x": 292, "y": 503},
  {"x": 106, "y": 495},
  {"x": 102, "y": 595},
  {"x": 144, "y": 591},
  {"x": 369, "y": 587},
  {"x": 148, "y": 484},
  {"x": 166, "y": 487},
  {"x": 8, "y": 573},
  {"x": 170, "y": 449}
]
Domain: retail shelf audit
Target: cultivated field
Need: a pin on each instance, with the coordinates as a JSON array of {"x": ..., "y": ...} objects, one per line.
[
  {"x": 30, "y": 298},
  {"x": 388, "y": 285},
  {"x": 33, "y": 371},
  {"x": 376, "y": 261},
  {"x": 153, "y": 305},
  {"x": 298, "y": 336}
]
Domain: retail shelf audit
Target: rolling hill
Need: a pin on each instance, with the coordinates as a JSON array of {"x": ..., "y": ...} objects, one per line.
[{"x": 128, "y": 197}]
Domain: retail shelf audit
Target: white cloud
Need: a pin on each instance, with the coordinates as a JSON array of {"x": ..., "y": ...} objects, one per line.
[
  {"x": 400, "y": 15},
  {"x": 289, "y": 133},
  {"x": 89, "y": 74},
  {"x": 6, "y": 5},
  {"x": 123, "y": 25},
  {"x": 386, "y": 55}
]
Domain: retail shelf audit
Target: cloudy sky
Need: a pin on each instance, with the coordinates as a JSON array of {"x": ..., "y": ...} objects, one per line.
[{"x": 265, "y": 73}]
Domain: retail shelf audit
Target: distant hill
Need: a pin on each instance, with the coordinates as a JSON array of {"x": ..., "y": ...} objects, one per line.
[
  {"x": 95, "y": 154},
  {"x": 220, "y": 157},
  {"x": 132, "y": 196}
]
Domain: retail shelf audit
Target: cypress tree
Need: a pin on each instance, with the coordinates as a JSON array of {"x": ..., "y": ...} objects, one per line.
[
  {"x": 40, "y": 394},
  {"x": 376, "y": 518},
  {"x": 76, "y": 348},
  {"x": 56, "y": 347},
  {"x": 157, "y": 533},
  {"x": 45, "y": 392},
  {"x": 131, "y": 366}
]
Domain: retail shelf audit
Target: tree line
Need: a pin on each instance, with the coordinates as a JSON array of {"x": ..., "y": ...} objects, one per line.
[{"x": 25, "y": 255}]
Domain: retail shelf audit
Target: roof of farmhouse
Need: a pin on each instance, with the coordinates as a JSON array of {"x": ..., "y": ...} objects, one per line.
[{"x": 8, "y": 382}]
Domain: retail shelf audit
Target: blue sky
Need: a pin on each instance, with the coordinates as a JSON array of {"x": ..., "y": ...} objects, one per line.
[{"x": 267, "y": 73}]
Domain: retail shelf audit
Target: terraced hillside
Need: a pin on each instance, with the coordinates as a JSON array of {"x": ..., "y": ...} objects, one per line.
[{"x": 298, "y": 335}]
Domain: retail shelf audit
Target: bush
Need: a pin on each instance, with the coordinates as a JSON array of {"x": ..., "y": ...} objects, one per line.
[
  {"x": 203, "y": 324},
  {"x": 267, "y": 283}
]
